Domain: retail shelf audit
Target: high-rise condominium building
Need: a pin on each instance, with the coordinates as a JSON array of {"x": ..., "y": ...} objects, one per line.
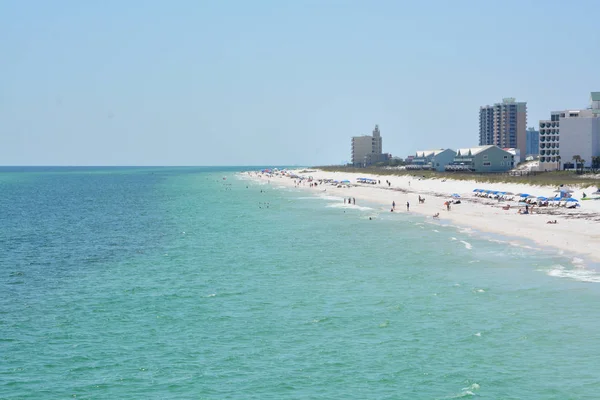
[
  {"x": 532, "y": 138},
  {"x": 504, "y": 125},
  {"x": 570, "y": 133},
  {"x": 367, "y": 149}
]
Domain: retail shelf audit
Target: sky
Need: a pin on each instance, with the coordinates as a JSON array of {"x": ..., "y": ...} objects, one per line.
[{"x": 277, "y": 82}]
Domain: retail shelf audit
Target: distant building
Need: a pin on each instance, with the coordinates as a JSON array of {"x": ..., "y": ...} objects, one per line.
[
  {"x": 432, "y": 159},
  {"x": 372, "y": 158},
  {"x": 366, "y": 146},
  {"x": 516, "y": 153},
  {"x": 504, "y": 124},
  {"x": 489, "y": 158},
  {"x": 569, "y": 133},
  {"x": 532, "y": 139}
]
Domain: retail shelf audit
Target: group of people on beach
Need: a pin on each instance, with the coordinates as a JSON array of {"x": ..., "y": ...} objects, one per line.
[
  {"x": 351, "y": 200},
  {"x": 394, "y": 206}
]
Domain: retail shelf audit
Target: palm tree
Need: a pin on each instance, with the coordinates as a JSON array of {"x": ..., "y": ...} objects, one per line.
[
  {"x": 582, "y": 161},
  {"x": 577, "y": 159},
  {"x": 558, "y": 163},
  {"x": 595, "y": 162}
]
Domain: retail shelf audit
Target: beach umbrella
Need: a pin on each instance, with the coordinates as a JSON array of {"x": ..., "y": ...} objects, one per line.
[
  {"x": 455, "y": 195},
  {"x": 524, "y": 195},
  {"x": 570, "y": 200},
  {"x": 509, "y": 193},
  {"x": 557, "y": 199},
  {"x": 542, "y": 198},
  {"x": 345, "y": 181},
  {"x": 476, "y": 190}
]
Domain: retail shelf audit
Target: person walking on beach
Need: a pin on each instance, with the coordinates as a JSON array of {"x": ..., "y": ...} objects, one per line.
[
  {"x": 353, "y": 201},
  {"x": 393, "y": 205},
  {"x": 407, "y": 206}
]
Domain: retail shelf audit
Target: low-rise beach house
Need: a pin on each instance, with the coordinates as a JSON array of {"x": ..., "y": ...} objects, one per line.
[
  {"x": 489, "y": 158},
  {"x": 432, "y": 159}
]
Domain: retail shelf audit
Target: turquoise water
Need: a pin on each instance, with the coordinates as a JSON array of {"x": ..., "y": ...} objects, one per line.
[{"x": 174, "y": 283}]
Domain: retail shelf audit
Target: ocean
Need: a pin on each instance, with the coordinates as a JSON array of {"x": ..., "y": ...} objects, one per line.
[{"x": 199, "y": 283}]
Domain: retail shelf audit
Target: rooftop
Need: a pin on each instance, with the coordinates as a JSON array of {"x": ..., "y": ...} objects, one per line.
[
  {"x": 428, "y": 153},
  {"x": 473, "y": 150}
]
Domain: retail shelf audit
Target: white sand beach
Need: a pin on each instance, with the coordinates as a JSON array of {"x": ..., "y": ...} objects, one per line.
[{"x": 576, "y": 230}]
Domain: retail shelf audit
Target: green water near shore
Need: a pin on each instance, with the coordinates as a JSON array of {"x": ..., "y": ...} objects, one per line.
[{"x": 176, "y": 283}]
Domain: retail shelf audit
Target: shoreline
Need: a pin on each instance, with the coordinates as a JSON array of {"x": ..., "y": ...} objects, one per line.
[{"x": 577, "y": 231}]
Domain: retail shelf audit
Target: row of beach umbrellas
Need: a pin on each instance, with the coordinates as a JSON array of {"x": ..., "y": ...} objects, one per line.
[{"x": 524, "y": 196}]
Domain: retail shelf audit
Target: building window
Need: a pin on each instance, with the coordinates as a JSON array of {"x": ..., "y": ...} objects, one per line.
[
  {"x": 502, "y": 163},
  {"x": 487, "y": 164},
  {"x": 485, "y": 157},
  {"x": 505, "y": 157}
]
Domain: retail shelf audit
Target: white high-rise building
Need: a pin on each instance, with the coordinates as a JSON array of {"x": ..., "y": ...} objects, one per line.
[{"x": 570, "y": 133}]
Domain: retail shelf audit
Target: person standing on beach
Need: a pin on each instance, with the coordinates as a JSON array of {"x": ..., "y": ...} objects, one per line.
[
  {"x": 407, "y": 206},
  {"x": 353, "y": 201},
  {"x": 393, "y": 205}
]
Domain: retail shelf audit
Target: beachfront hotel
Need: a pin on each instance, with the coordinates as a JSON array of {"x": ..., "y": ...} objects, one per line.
[
  {"x": 569, "y": 133},
  {"x": 367, "y": 150},
  {"x": 504, "y": 125}
]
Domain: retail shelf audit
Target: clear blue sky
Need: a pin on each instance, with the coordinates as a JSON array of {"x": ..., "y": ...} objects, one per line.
[{"x": 189, "y": 82}]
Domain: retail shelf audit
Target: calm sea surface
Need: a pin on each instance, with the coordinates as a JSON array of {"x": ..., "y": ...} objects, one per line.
[{"x": 173, "y": 283}]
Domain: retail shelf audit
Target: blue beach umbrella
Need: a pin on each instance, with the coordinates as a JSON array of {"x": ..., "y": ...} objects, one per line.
[
  {"x": 524, "y": 195},
  {"x": 456, "y": 195},
  {"x": 476, "y": 190},
  {"x": 346, "y": 181},
  {"x": 542, "y": 198}
]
